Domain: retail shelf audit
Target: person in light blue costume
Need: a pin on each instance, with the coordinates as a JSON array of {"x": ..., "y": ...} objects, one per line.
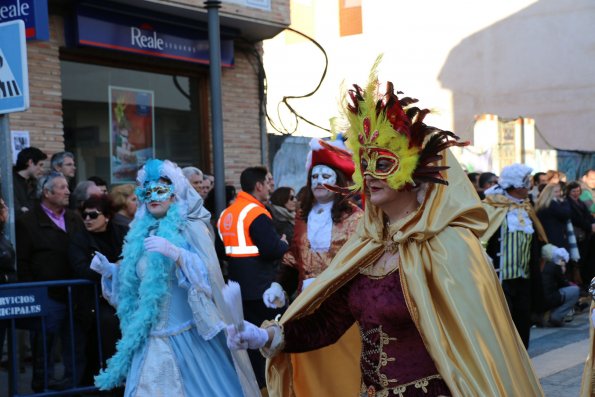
[{"x": 167, "y": 292}]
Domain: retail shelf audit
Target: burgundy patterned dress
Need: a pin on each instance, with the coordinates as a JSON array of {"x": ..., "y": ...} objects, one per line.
[{"x": 394, "y": 360}]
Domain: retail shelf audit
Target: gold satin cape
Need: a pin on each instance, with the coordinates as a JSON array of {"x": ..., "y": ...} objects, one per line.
[{"x": 451, "y": 290}]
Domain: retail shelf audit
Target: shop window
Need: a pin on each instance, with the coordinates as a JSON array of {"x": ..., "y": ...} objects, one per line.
[
  {"x": 350, "y": 17},
  {"x": 115, "y": 119}
]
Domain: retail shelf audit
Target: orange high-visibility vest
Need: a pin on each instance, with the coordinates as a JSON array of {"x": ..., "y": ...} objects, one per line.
[{"x": 234, "y": 225}]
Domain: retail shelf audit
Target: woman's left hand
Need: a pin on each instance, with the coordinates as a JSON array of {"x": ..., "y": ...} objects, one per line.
[{"x": 163, "y": 247}]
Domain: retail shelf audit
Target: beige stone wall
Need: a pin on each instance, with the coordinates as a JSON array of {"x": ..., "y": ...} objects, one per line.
[{"x": 279, "y": 12}]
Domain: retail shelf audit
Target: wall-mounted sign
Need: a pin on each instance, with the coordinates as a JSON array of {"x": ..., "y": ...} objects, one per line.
[
  {"x": 98, "y": 28},
  {"x": 34, "y": 13}
]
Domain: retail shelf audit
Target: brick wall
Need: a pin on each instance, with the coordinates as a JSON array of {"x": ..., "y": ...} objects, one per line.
[
  {"x": 241, "y": 129},
  {"x": 43, "y": 120}
]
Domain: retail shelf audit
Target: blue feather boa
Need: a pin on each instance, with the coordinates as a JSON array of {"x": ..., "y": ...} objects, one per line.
[{"x": 139, "y": 300}]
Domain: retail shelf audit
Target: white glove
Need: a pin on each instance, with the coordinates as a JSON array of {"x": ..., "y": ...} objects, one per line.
[
  {"x": 560, "y": 254},
  {"x": 101, "y": 265},
  {"x": 252, "y": 337},
  {"x": 593, "y": 318},
  {"x": 307, "y": 282},
  {"x": 274, "y": 296},
  {"x": 163, "y": 247}
]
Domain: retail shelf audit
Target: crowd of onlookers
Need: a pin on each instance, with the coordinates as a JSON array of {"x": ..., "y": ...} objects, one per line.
[
  {"x": 60, "y": 225},
  {"x": 566, "y": 210}
]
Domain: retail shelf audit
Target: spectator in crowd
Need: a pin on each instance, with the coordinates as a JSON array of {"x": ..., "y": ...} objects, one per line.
[
  {"x": 282, "y": 209},
  {"x": 28, "y": 168},
  {"x": 486, "y": 180},
  {"x": 559, "y": 294},
  {"x": 512, "y": 244},
  {"x": 552, "y": 177},
  {"x": 43, "y": 236},
  {"x": 125, "y": 203},
  {"x": 8, "y": 269},
  {"x": 167, "y": 290},
  {"x": 82, "y": 192},
  {"x": 194, "y": 176},
  {"x": 583, "y": 227},
  {"x": 230, "y": 196},
  {"x": 554, "y": 213},
  {"x": 253, "y": 249},
  {"x": 101, "y": 235},
  {"x": 206, "y": 187},
  {"x": 588, "y": 194},
  {"x": 539, "y": 179},
  {"x": 64, "y": 162},
  {"x": 100, "y": 183}
]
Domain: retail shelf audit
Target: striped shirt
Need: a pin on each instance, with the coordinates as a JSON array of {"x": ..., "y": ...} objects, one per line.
[{"x": 515, "y": 252}]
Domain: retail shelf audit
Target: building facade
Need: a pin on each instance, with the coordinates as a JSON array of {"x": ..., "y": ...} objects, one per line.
[{"x": 119, "y": 82}]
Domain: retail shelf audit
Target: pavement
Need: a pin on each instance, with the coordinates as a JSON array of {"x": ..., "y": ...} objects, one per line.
[{"x": 558, "y": 356}]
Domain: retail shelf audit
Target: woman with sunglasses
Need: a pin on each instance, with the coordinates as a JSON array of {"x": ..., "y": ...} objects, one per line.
[
  {"x": 104, "y": 236},
  {"x": 282, "y": 208},
  {"x": 414, "y": 278},
  {"x": 325, "y": 221},
  {"x": 167, "y": 291}
]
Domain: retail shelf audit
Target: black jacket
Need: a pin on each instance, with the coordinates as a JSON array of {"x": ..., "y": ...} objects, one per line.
[
  {"x": 553, "y": 279},
  {"x": 8, "y": 269},
  {"x": 555, "y": 222},
  {"x": 24, "y": 193},
  {"x": 255, "y": 274},
  {"x": 42, "y": 248}
]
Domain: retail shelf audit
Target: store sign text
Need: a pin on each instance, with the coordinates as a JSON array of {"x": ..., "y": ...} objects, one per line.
[
  {"x": 146, "y": 41},
  {"x": 34, "y": 13}
]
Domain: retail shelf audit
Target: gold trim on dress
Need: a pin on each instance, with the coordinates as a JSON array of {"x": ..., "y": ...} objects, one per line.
[{"x": 423, "y": 383}]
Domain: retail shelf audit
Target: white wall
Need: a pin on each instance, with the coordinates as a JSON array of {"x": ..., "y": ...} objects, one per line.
[{"x": 459, "y": 57}]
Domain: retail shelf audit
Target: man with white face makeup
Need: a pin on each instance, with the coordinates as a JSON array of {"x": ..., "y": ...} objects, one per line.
[{"x": 324, "y": 222}]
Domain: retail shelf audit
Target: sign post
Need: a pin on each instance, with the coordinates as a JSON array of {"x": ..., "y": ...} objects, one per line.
[{"x": 14, "y": 97}]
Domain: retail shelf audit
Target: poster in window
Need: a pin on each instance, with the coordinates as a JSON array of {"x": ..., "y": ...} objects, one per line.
[
  {"x": 132, "y": 137},
  {"x": 19, "y": 141}
]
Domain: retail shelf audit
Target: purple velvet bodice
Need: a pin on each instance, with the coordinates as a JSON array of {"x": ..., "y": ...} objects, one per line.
[{"x": 394, "y": 360}]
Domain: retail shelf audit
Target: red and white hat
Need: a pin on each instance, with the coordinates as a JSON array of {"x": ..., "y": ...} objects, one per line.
[{"x": 331, "y": 153}]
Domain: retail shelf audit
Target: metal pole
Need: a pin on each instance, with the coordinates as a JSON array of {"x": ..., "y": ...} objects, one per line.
[
  {"x": 216, "y": 112},
  {"x": 6, "y": 176}
]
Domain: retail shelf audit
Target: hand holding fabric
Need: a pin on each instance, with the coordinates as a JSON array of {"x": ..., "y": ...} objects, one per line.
[
  {"x": 102, "y": 265},
  {"x": 252, "y": 337},
  {"x": 274, "y": 296},
  {"x": 163, "y": 247}
]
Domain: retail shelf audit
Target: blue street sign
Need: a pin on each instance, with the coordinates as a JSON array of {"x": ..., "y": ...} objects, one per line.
[{"x": 14, "y": 77}]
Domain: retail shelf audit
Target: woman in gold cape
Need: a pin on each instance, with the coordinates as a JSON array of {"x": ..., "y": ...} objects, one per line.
[
  {"x": 452, "y": 294},
  {"x": 425, "y": 271}
]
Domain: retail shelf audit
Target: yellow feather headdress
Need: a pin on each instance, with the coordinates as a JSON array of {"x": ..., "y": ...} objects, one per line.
[{"x": 389, "y": 139}]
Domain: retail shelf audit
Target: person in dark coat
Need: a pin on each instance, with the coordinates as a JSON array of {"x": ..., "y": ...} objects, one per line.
[
  {"x": 28, "y": 168},
  {"x": 559, "y": 294},
  {"x": 43, "y": 235},
  {"x": 584, "y": 226},
  {"x": 282, "y": 208},
  {"x": 8, "y": 270},
  {"x": 101, "y": 235},
  {"x": 554, "y": 213}
]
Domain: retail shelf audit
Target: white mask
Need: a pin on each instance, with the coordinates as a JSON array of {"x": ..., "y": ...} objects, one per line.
[{"x": 322, "y": 174}]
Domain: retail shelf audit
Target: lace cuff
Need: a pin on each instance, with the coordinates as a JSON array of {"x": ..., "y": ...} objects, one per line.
[{"x": 278, "y": 342}]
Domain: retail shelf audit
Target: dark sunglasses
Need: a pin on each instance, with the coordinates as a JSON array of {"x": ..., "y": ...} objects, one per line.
[
  {"x": 91, "y": 214},
  {"x": 292, "y": 197}
]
